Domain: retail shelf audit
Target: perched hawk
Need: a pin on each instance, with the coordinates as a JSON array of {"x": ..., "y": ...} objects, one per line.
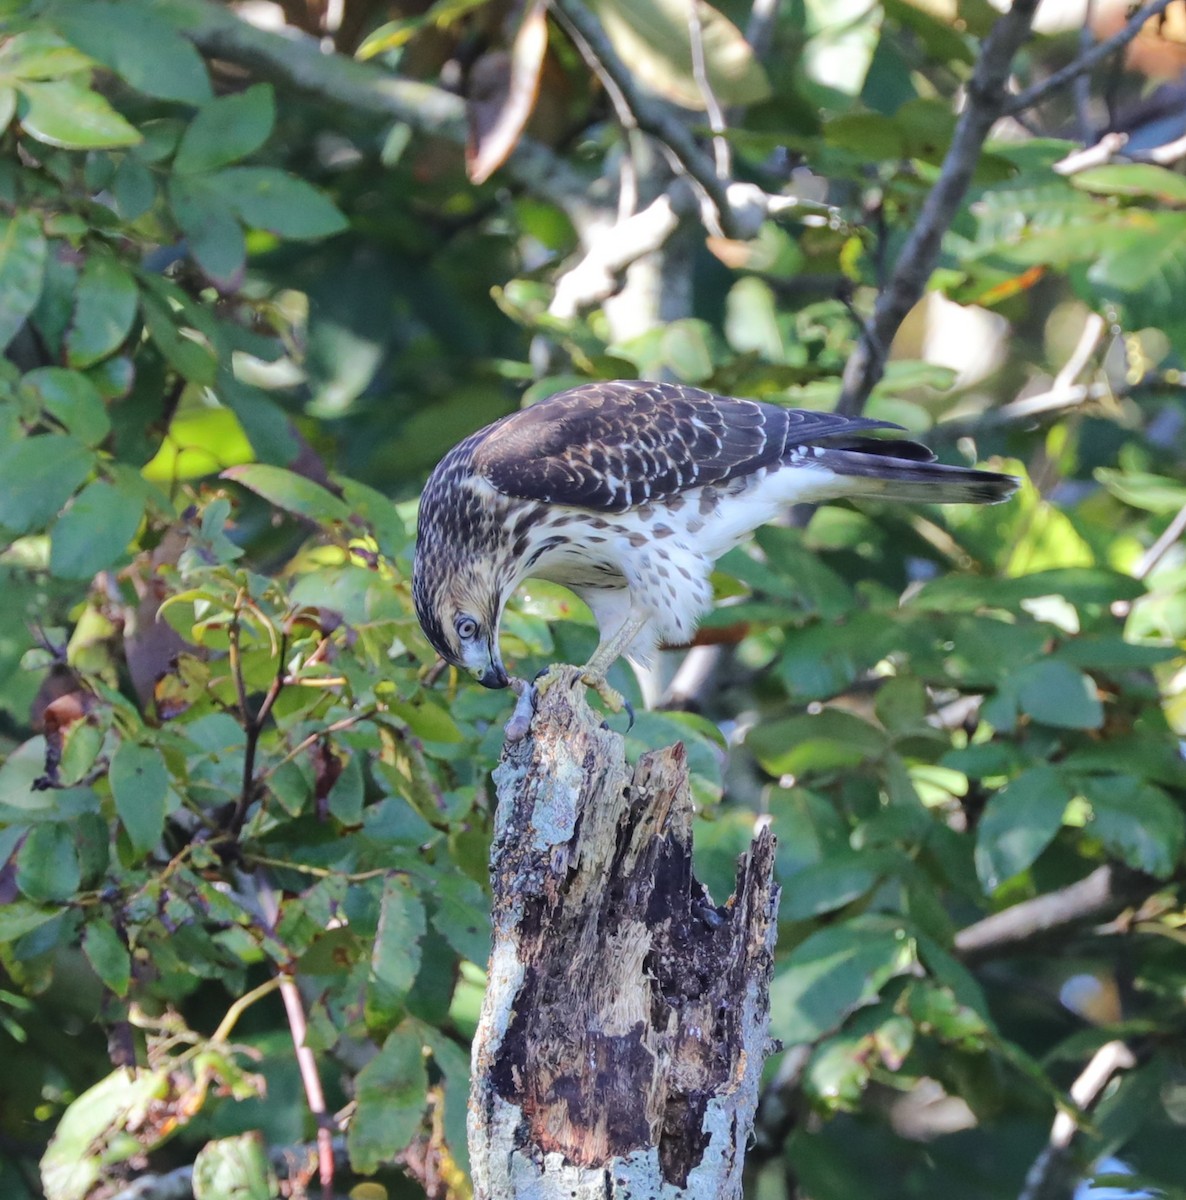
[{"x": 627, "y": 493}]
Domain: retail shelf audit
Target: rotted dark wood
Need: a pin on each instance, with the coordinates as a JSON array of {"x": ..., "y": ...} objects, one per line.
[{"x": 625, "y": 1021}]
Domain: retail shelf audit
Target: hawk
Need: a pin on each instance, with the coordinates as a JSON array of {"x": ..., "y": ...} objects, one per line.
[{"x": 627, "y": 492}]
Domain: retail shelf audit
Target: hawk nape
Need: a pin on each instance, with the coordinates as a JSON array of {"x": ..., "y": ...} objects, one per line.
[{"x": 627, "y": 493}]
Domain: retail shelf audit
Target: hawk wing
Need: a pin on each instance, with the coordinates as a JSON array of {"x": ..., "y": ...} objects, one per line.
[{"x": 613, "y": 446}]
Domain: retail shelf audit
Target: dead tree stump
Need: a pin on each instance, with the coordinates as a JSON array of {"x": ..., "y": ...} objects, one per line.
[{"x": 625, "y": 1021}]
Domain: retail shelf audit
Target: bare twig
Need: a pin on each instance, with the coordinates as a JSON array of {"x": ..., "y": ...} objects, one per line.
[
  {"x": 253, "y": 722},
  {"x": 611, "y": 249},
  {"x": 712, "y": 106},
  {"x": 986, "y": 101},
  {"x": 1107, "y": 891},
  {"x": 311, "y": 1079},
  {"x": 261, "y": 892},
  {"x": 1087, "y": 61},
  {"x": 1094, "y": 155},
  {"x": 1054, "y": 1173},
  {"x": 1093, "y": 332},
  {"x": 1170, "y": 537},
  {"x": 650, "y": 116},
  {"x": 690, "y": 682}
]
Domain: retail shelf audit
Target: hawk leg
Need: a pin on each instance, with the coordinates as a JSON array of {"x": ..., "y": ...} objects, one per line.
[{"x": 593, "y": 673}]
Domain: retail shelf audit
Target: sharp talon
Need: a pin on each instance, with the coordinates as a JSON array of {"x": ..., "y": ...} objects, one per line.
[{"x": 629, "y": 713}]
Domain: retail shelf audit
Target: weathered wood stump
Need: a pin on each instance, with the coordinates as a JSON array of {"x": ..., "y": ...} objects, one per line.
[{"x": 625, "y": 1022}]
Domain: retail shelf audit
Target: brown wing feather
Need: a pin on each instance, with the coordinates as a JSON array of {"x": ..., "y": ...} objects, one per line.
[{"x": 613, "y": 446}]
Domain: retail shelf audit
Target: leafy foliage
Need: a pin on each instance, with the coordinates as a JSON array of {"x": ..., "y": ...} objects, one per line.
[{"x": 241, "y": 324}]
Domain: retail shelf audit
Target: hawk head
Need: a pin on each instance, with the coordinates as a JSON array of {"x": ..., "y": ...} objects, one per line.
[{"x": 459, "y": 605}]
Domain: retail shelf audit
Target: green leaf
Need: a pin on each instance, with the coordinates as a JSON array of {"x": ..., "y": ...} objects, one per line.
[
  {"x": 47, "y": 864},
  {"x": 1137, "y": 822},
  {"x": 40, "y": 54},
  {"x": 234, "y": 1168},
  {"x": 1154, "y": 493},
  {"x": 226, "y": 130},
  {"x": 91, "y": 1134},
  {"x": 195, "y": 362},
  {"x": 814, "y": 742},
  {"x": 391, "y": 1091},
  {"x": 822, "y": 659},
  {"x": 1081, "y": 586},
  {"x": 378, "y": 512},
  {"x": 213, "y": 235},
  {"x": 133, "y": 187},
  {"x": 22, "y": 271},
  {"x": 104, "y": 311},
  {"x": 1132, "y": 179},
  {"x": 106, "y": 952},
  {"x": 839, "y": 879},
  {"x": 18, "y": 917},
  {"x": 1056, "y": 694},
  {"x": 140, "y": 786},
  {"x": 290, "y": 491},
  {"x": 1019, "y": 823},
  {"x": 831, "y": 974},
  {"x": 64, "y": 113},
  {"x": 426, "y": 719},
  {"x": 94, "y": 532},
  {"x": 40, "y": 475},
  {"x": 395, "y": 956},
  {"x": 72, "y": 400},
  {"x": 138, "y": 45},
  {"x": 266, "y": 198},
  {"x": 461, "y": 913},
  {"x": 346, "y": 796}
]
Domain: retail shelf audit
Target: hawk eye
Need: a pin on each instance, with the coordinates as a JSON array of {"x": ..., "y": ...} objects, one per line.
[{"x": 466, "y": 628}]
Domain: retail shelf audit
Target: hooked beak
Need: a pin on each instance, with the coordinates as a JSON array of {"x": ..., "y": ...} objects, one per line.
[{"x": 494, "y": 676}]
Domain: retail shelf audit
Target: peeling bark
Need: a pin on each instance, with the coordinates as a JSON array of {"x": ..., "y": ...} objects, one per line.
[{"x": 624, "y": 1026}]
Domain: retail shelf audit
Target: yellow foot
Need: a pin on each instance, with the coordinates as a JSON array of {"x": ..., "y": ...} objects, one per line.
[{"x": 559, "y": 673}]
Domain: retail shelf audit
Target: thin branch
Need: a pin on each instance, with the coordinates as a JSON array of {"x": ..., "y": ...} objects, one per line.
[
  {"x": 712, "y": 106},
  {"x": 1054, "y": 1173},
  {"x": 1171, "y": 537},
  {"x": 986, "y": 99},
  {"x": 650, "y": 116},
  {"x": 1092, "y": 334},
  {"x": 1105, "y": 892},
  {"x": 239, "y": 1007},
  {"x": 1085, "y": 62},
  {"x": 690, "y": 683},
  {"x": 610, "y": 251},
  {"x": 253, "y": 723},
  {"x": 311, "y": 1079},
  {"x": 337, "y": 726},
  {"x": 267, "y": 901}
]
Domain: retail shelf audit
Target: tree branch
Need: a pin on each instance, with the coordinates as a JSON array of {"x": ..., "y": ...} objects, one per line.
[
  {"x": 651, "y": 117},
  {"x": 623, "y": 1030},
  {"x": 1105, "y": 892},
  {"x": 1086, "y": 61},
  {"x": 986, "y": 99},
  {"x": 1054, "y": 1173},
  {"x": 299, "y": 62}
]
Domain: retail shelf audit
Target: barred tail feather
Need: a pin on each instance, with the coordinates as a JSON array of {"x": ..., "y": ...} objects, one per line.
[{"x": 911, "y": 480}]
